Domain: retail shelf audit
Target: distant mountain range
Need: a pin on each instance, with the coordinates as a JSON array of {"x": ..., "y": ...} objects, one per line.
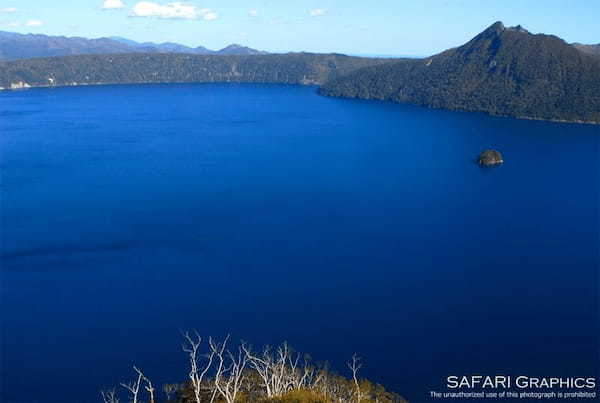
[
  {"x": 14, "y": 46},
  {"x": 503, "y": 71}
]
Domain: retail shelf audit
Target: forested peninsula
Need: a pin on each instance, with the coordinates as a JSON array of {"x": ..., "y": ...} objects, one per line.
[{"x": 290, "y": 68}]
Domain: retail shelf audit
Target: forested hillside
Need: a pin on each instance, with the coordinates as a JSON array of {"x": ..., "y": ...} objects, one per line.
[
  {"x": 591, "y": 49},
  {"x": 502, "y": 71},
  {"x": 291, "y": 68}
]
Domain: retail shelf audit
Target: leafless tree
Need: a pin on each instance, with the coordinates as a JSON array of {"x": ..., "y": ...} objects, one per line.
[
  {"x": 281, "y": 370},
  {"x": 109, "y": 396},
  {"x": 305, "y": 375},
  {"x": 264, "y": 365},
  {"x": 321, "y": 382},
  {"x": 355, "y": 365},
  {"x": 197, "y": 374},
  {"x": 148, "y": 386},
  {"x": 134, "y": 386},
  {"x": 170, "y": 389},
  {"x": 229, "y": 376},
  {"x": 222, "y": 373}
]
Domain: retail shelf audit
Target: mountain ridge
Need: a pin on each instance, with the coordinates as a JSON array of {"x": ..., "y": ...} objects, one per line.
[
  {"x": 504, "y": 71},
  {"x": 591, "y": 49},
  {"x": 15, "y": 46}
]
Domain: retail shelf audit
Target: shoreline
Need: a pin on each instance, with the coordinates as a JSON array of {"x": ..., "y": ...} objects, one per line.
[{"x": 22, "y": 86}]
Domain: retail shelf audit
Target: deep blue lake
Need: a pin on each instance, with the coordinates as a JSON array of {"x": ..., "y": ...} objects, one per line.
[{"x": 130, "y": 213}]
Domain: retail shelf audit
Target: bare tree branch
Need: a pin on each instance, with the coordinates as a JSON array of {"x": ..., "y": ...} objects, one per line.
[
  {"x": 109, "y": 396},
  {"x": 134, "y": 386},
  {"x": 148, "y": 386},
  {"x": 170, "y": 389},
  {"x": 229, "y": 377},
  {"x": 197, "y": 374},
  {"x": 355, "y": 365}
]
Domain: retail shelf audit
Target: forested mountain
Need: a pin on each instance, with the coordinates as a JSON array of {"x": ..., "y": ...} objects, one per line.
[
  {"x": 15, "y": 46},
  {"x": 291, "y": 68},
  {"x": 502, "y": 71},
  {"x": 592, "y": 49}
]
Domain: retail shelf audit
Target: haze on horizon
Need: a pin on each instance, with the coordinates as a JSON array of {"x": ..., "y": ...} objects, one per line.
[{"x": 383, "y": 27}]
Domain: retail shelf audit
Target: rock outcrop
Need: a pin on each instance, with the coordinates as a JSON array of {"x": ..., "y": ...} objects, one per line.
[{"x": 490, "y": 158}]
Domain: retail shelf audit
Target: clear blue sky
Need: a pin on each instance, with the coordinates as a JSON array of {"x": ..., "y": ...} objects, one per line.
[{"x": 390, "y": 27}]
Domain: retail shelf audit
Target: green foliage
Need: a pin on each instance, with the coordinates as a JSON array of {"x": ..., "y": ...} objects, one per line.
[
  {"x": 502, "y": 71},
  {"x": 300, "y": 396},
  {"x": 291, "y": 68}
]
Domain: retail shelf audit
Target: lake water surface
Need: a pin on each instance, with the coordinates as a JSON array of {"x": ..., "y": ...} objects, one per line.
[{"x": 130, "y": 213}]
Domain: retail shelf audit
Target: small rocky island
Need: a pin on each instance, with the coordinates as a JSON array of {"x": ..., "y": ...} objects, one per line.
[{"x": 490, "y": 158}]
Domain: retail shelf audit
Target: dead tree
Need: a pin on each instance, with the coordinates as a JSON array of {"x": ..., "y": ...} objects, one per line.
[
  {"x": 285, "y": 368},
  {"x": 264, "y": 366},
  {"x": 148, "y": 386},
  {"x": 197, "y": 374},
  {"x": 109, "y": 396},
  {"x": 134, "y": 386},
  {"x": 355, "y": 365},
  {"x": 229, "y": 377},
  {"x": 170, "y": 389},
  {"x": 279, "y": 370},
  {"x": 321, "y": 381},
  {"x": 303, "y": 376}
]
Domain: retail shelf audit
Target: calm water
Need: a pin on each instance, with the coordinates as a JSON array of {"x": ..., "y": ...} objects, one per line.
[{"x": 272, "y": 213}]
